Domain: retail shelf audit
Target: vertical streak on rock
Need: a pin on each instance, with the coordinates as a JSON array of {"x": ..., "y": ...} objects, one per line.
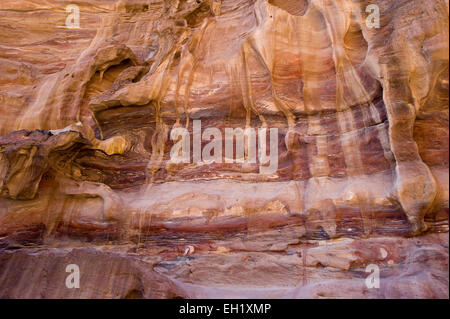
[
  {"x": 187, "y": 91},
  {"x": 305, "y": 269},
  {"x": 54, "y": 215},
  {"x": 383, "y": 137},
  {"x": 365, "y": 211},
  {"x": 249, "y": 89},
  {"x": 177, "y": 90},
  {"x": 321, "y": 160},
  {"x": 242, "y": 80},
  {"x": 290, "y": 118},
  {"x": 160, "y": 135},
  {"x": 310, "y": 96},
  {"x": 337, "y": 24}
]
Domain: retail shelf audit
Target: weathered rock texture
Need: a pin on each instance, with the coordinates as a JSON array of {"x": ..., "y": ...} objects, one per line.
[{"x": 85, "y": 176}]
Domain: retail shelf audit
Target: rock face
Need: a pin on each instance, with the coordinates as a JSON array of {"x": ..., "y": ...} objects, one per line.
[{"x": 87, "y": 116}]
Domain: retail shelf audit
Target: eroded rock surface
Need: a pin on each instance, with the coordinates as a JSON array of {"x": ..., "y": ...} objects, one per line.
[{"x": 86, "y": 175}]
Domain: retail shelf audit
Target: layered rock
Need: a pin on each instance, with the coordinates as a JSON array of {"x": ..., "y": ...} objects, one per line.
[{"x": 86, "y": 175}]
